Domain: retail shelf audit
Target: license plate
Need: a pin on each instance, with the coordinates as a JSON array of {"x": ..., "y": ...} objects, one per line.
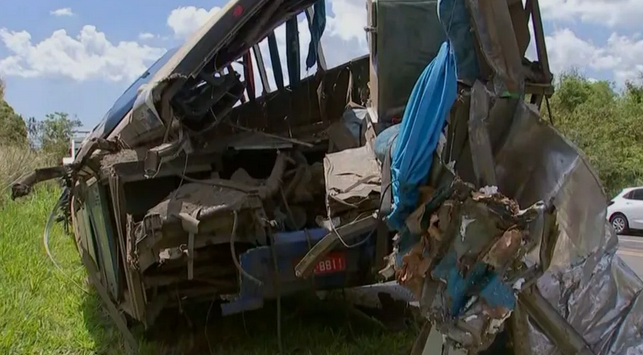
[{"x": 332, "y": 263}]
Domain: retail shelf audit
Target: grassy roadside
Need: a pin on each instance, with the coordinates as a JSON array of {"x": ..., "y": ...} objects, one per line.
[{"x": 43, "y": 311}]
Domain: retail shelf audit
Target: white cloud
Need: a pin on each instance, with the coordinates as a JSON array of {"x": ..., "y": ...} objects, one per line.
[
  {"x": 89, "y": 55},
  {"x": 606, "y": 12},
  {"x": 620, "y": 54},
  {"x": 343, "y": 39},
  {"x": 62, "y": 12},
  {"x": 185, "y": 20},
  {"x": 146, "y": 35},
  {"x": 348, "y": 21}
]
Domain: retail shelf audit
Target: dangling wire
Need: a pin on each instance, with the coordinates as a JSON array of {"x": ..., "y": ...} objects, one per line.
[
  {"x": 234, "y": 253},
  {"x": 363, "y": 241},
  {"x": 551, "y": 118},
  {"x": 45, "y": 238}
]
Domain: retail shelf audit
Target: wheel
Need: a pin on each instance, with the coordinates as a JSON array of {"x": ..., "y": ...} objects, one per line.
[{"x": 619, "y": 223}]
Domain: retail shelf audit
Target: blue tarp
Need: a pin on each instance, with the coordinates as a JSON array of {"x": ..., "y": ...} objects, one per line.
[{"x": 424, "y": 116}]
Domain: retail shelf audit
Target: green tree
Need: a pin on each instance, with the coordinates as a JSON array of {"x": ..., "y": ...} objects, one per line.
[
  {"x": 53, "y": 134},
  {"x": 13, "y": 130},
  {"x": 605, "y": 124}
]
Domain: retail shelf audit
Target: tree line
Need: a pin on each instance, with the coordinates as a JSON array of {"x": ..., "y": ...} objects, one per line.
[
  {"x": 605, "y": 123},
  {"x": 50, "y": 136}
]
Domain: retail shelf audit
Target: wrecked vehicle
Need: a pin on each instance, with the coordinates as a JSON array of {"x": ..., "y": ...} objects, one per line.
[
  {"x": 194, "y": 187},
  {"x": 202, "y": 182}
]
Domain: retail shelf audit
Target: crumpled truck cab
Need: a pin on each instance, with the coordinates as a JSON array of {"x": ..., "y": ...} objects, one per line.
[
  {"x": 210, "y": 180},
  {"x": 215, "y": 178}
]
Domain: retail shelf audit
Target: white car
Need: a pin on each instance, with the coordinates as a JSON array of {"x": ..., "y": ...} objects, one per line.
[{"x": 625, "y": 211}]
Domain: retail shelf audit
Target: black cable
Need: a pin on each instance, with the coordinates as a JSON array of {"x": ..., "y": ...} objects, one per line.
[
  {"x": 551, "y": 118},
  {"x": 66, "y": 193},
  {"x": 234, "y": 254}
]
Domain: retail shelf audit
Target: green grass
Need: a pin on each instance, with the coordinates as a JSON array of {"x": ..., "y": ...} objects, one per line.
[
  {"x": 41, "y": 309},
  {"x": 45, "y": 311}
]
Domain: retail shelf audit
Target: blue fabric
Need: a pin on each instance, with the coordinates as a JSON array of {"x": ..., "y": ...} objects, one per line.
[
  {"x": 424, "y": 116},
  {"x": 316, "y": 25},
  {"x": 456, "y": 22}
]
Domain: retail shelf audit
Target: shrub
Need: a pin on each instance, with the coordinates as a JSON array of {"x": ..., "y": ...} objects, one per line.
[{"x": 16, "y": 162}]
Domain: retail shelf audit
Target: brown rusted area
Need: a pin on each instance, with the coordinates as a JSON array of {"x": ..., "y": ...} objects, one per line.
[
  {"x": 497, "y": 199},
  {"x": 421, "y": 258},
  {"x": 414, "y": 268},
  {"x": 504, "y": 250}
]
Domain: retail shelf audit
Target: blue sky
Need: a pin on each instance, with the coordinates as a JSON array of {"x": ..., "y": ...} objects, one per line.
[{"x": 78, "y": 56}]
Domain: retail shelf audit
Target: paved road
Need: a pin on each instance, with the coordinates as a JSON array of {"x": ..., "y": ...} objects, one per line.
[{"x": 630, "y": 249}]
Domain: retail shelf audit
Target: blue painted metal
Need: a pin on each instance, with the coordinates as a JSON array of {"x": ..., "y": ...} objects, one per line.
[
  {"x": 125, "y": 102},
  {"x": 289, "y": 247},
  {"x": 479, "y": 281},
  {"x": 424, "y": 117}
]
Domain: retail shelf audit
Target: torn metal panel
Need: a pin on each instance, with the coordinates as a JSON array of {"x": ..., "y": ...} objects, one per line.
[
  {"x": 191, "y": 197},
  {"x": 557, "y": 172},
  {"x": 588, "y": 285},
  {"x": 471, "y": 242},
  {"x": 162, "y": 230},
  {"x": 493, "y": 27},
  {"x": 223, "y": 38}
]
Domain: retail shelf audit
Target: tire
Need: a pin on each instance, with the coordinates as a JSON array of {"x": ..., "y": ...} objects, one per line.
[{"x": 619, "y": 223}]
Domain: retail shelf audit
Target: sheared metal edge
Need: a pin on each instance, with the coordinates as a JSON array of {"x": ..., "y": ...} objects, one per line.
[
  {"x": 436, "y": 226},
  {"x": 586, "y": 282},
  {"x": 476, "y": 325}
]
